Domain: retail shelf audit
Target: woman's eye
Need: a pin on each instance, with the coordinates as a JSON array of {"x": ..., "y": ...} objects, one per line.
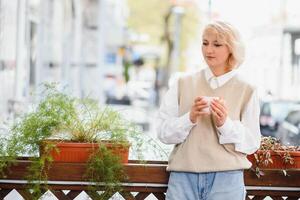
[
  {"x": 218, "y": 45},
  {"x": 204, "y": 43}
]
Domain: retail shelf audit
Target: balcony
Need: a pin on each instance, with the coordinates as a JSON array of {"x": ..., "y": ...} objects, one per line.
[{"x": 144, "y": 179}]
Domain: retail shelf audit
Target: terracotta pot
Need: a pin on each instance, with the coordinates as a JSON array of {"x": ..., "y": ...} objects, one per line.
[
  {"x": 278, "y": 161},
  {"x": 76, "y": 152}
]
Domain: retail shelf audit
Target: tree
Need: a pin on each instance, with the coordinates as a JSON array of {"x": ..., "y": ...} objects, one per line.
[{"x": 155, "y": 19}]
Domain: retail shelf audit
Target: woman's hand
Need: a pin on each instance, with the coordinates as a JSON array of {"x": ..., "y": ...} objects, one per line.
[
  {"x": 219, "y": 111},
  {"x": 197, "y": 109}
]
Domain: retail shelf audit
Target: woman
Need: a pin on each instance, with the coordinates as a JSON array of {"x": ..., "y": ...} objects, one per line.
[{"x": 212, "y": 117}]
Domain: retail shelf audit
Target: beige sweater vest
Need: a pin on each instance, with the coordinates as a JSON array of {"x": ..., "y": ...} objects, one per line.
[{"x": 201, "y": 150}]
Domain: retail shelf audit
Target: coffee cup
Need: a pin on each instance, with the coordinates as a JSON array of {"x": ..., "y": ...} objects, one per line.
[{"x": 208, "y": 100}]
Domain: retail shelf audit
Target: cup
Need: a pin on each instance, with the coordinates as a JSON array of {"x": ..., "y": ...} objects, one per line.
[{"x": 208, "y": 100}]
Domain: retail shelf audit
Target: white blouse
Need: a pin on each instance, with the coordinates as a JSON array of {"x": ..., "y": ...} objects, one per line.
[{"x": 244, "y": 134}]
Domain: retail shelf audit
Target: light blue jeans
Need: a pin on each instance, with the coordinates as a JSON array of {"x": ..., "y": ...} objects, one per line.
[{"x": 227, "y": 185}]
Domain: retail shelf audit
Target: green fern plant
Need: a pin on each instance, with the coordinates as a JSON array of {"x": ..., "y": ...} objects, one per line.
[{"x": 63, "y": 117}]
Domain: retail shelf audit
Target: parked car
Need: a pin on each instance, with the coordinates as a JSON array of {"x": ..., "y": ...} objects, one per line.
[
  {"x": 289, "y": 130},
  {"x": 272, "y": 113}
]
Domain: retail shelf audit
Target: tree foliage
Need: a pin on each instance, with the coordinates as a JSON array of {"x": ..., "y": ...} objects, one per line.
[{"x": 149, "y": 17}]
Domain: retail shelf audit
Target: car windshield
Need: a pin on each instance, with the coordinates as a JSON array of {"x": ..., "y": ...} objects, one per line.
[
  {"x": 281, "y": 109},
  {"x": 294, "y": 117}
]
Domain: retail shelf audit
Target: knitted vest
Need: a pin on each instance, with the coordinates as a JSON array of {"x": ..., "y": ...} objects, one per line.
[{"x": 201, "y": 150}]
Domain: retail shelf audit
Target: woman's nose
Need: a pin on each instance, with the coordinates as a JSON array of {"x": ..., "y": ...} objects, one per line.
[{"x": 208, "y": 49}]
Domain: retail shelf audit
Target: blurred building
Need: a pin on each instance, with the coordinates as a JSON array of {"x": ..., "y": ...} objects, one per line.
[
  {"x": 78, "y": 42},
  {"x": 71, "y": 42},
  {"x": 270, "y": 29}
]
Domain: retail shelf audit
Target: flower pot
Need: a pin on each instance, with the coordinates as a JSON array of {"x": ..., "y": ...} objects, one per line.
[
  {"x": 76, "y": 152},
  {"x": 278, "y": 161}
]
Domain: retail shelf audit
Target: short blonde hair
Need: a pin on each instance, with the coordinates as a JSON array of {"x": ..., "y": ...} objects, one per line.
[{"x": 231, "y": 37}]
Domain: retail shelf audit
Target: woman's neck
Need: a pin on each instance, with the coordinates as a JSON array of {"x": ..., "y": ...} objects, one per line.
[{"x": 219, "y": 71}]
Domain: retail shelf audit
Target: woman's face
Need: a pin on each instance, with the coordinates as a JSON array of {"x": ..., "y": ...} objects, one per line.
[{"x": 215, "y": 51}]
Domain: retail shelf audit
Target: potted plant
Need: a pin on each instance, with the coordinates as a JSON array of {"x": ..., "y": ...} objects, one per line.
[
  {"x": 85, "y": 129},
  {"x": 58, "y": 125},
  {"x": 273, "y": 155}
]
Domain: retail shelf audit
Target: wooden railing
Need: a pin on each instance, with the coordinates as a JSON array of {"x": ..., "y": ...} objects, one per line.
[{"x": 144, "y": 180}]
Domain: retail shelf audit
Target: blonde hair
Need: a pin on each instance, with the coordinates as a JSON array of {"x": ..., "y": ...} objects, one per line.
[{"x": 231, "y": 37}]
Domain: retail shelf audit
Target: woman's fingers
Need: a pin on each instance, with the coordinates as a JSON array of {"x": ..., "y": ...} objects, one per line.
[
  {"x": 201, "y": 107},
  {"x": 220, "y": 105},
  {"x": 197, "y": 99},
  {"x": 216, "y": 115},
  {"x": 218, "y": 108},
  {"x": 200, "y": 100},
  {"x": 198, "y": 108},
  {"x": 199, "y": 113},
  {"x": 200, "y": 103},
  {"x": 219, "y": 111}
]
